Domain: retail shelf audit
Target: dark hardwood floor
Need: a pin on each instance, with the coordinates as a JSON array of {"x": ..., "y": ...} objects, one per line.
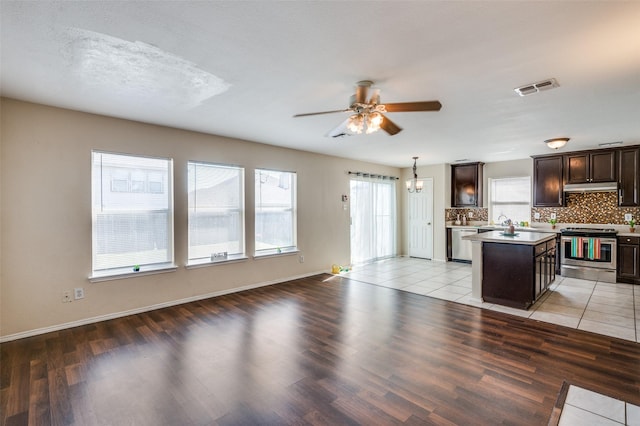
[{"x": 321, "y": 350}]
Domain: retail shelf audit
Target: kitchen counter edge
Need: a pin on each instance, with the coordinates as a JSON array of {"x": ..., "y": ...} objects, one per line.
[{"x": 524, "y": 238}]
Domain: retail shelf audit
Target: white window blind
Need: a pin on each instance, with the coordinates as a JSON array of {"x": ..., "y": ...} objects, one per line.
[
  {"x": 216, "y": 211},
  {"x": 132, "y": 212},
  {"x": 510, "y": 198},
  {"x": 276, "y": 211}
]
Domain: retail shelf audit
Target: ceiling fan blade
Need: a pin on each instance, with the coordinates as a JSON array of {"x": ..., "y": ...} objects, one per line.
[
  {"x": 389, "y": 126},
  {"x": 413, "y": 106},
  {"x": 323, "y": 112},
  {"x": 340, "y": 130}
]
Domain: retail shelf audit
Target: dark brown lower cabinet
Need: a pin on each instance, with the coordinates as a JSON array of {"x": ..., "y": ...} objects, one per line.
[
  {"x": 517, "y": 275},
  {"x": 628, "y": 260}
]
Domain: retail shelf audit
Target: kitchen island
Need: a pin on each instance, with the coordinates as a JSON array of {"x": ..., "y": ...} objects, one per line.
[{"x": 512, "y": 270}]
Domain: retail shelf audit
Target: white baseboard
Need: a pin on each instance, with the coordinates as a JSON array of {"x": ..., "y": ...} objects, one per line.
[{"x": 140, "y": 310}]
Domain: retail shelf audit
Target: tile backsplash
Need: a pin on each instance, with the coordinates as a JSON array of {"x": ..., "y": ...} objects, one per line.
[
  {"x": 479, "y": 214},
  {"x": 588, "y": 207}
]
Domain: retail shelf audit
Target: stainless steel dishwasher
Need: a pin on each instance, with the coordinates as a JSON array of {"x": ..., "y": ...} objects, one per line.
[{"x": 461, "y": 249}]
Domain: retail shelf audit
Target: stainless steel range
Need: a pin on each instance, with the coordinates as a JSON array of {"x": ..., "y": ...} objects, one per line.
[{"x": 588, "y": 253}]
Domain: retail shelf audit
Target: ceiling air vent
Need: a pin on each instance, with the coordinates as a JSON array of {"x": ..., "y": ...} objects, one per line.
[{"x": 530, "y": 89}]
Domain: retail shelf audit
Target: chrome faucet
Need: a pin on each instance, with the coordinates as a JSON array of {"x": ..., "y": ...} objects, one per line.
[{"x": 506, "y": 221}]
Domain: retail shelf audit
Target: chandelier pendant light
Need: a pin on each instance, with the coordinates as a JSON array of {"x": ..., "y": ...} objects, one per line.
[{"x": 414, "y": 184}]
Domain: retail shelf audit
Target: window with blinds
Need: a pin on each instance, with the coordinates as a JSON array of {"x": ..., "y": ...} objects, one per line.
[
  {"x": 276, "y": 211},
  {"x": 216, "y": 212},
  {"x": 132, "y": 213},
  {"x": 510, "y": 197}
]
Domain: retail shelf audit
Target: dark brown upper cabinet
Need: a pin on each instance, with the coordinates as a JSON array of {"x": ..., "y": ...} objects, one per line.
[
  {"x": 629, "y": 177},
  {"x": 588, "y": 167},
  {"x": 466, "y": 185},
  {"x": 547, "y": 181}
]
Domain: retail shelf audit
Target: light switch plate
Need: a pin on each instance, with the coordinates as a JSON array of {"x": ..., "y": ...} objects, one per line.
[
  {"x": 628, "y": 216},
  {"x": 536, "y": 215}
]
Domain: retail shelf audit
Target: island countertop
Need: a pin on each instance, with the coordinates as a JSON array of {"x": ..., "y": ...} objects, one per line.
[{"x": 524, "y": 238}]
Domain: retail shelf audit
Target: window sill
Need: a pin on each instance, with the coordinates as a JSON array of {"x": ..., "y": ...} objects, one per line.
[
  {"x": 202, "y": 263},
  {"x": 118, "y": 274},
  {"x": 275, "y": 253}
]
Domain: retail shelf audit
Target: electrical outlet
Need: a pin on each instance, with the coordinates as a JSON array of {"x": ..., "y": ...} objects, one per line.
[
  {"x": 470, "y": 215},
  {"x": 536, "y": 215},
  {"x": 301, "y": 258},
  {"x": 78, "y": 293},
  {"x": 628, "y": 216},
  {"x": 66, "y": 296},
  {"x": 553, "y": 215}
]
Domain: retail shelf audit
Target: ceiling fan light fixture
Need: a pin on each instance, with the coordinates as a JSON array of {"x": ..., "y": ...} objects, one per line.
[
  {"x": 356, "y": 123},
  {"x": 556, "y": 143},
  {"x": 364, "y": 122},
  {"x": 374, "y": 120}
]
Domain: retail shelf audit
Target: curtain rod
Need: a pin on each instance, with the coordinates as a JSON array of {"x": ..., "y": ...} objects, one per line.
[{"x": 373, "y": 175}]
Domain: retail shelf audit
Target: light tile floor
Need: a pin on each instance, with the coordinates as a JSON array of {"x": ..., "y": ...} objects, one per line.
[
  {"x": 604, "y": 308},
  {"x": 584, "y": 407}
]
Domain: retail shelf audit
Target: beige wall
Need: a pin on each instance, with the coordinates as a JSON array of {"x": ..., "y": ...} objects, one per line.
[
  {"x": 45, "y": 207},
  {"x": 502, "y": 169},
  {"x": 46, "y": 217}
]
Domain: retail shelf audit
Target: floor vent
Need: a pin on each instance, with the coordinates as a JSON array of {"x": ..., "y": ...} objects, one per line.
[{"x": 530, "y": 89}]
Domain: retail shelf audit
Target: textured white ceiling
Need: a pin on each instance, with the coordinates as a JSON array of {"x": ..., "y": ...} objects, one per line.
[{"x": 243, "y": 69}]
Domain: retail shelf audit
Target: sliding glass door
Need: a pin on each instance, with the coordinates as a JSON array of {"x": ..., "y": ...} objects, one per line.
[{"x": 373, "y": 219}]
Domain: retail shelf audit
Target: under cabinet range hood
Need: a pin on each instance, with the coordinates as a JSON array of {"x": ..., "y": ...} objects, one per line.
[{"x": 591, "y": 187}]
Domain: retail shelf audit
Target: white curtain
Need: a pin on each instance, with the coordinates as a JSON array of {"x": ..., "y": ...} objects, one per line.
[{"x": 373, "y": 219}]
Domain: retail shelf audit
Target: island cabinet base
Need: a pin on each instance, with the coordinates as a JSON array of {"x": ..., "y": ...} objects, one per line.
[{"x": 516, "y": 275}]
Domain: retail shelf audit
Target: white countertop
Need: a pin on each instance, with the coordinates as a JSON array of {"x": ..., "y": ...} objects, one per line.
[
  {"x": 539, "y": 227},
  {"x": 629, "y": 234},
  {"x": 623, "y": 230},
  {"x": 524, "y": 238}
]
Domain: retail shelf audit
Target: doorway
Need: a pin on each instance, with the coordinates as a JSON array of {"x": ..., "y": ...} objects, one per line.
[{"x": 421, "y": 221}]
